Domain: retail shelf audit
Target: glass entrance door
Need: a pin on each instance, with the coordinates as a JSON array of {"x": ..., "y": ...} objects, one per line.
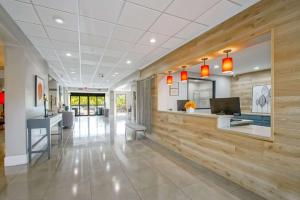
[
  {"x": 92, "y": 105},
  {"x": 83, "y": 103}
]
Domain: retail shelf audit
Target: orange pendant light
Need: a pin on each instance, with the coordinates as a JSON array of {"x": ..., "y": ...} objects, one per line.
[
  {"x": 183, "y": 74},
  {"x": 227, "y": 63},
  {"x": 204, "y": 73},
  {"x": 169, "y": 79}
]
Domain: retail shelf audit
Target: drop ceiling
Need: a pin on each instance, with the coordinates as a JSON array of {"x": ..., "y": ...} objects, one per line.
[{"x": 102, "y": 41}]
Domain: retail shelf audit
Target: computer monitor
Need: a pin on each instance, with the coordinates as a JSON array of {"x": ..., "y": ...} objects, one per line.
[
  {"x": 180, "y": 105},
  {"x": 225, "y": 106}
]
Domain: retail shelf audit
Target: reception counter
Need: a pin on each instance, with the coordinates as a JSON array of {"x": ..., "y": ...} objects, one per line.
[{"x": 222, "y": 124}]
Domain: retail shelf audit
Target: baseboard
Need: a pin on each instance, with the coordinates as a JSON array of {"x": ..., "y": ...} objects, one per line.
[{"x": 15, "y": 160}]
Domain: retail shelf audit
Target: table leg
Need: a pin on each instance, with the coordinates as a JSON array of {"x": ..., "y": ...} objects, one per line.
[
  {"x": 48, "y": 142},
  {"x": 29, "y": 145}
]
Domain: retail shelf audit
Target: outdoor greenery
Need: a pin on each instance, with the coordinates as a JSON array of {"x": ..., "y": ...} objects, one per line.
[
  {"x": 74, "y": 100},
  {"x": 121, "y": 103},
  {"x": 93, "y": 100}
]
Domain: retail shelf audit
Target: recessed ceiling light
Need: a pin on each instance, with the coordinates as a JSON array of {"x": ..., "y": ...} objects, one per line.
[
  {"x": 68, "y": 54},
  {"x": 113, "y": 75},
  {"x": 58, "y": 20},
  {"x": 116, "y": 73},
  {"x": 152, "y": 40},
  {"x": 73, "y": 72},
  {"x": 128, "y": 62},
  {"x": 216, "y": 66},
  {"x": 256, "y": 68}
]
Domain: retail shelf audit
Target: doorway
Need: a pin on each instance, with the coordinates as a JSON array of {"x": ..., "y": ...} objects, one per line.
[{"x": 85, "y": 104}]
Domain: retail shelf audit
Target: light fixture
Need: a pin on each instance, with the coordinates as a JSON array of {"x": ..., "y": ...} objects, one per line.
[
  {"x": 68, "y": 54},
  {"x": 152, "y": 40},
  {"x": 169, "y": 79},
  {"x": 73, "y": 72},
  {"x": 128, "y": 62},
  {"x": 204, "y": 72},
  {"x": 256, "y": 68},
  {"x": 216, "y": 66},
  {"x": 183, "y": 74},
  {"x": 58, "y": 20},
  {"x": 116, "y": 73},
  {"x": 227, "y": 63}
]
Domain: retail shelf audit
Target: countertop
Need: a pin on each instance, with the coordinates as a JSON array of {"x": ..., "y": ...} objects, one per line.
[
  {"x": 198, "y": 114},
  {"x": 261, "y": 132}
]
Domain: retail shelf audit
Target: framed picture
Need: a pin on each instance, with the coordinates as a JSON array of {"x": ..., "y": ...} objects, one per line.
[
  {"x": 261, "y": 99},
  {"x": 39, "y": 91},
  {"x": 174, "y": 91}
]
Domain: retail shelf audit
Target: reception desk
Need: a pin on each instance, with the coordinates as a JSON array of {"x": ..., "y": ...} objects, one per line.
[{"x": 219, "y": 123}]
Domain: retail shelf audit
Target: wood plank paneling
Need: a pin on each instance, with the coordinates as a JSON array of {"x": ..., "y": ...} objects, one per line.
[
  {"x": 271, "y": 169},
  {"x": 241, "y": 86}
]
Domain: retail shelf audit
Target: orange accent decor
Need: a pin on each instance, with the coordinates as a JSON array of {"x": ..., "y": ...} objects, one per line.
[
  {"x": 40, "y": 90},
  {"x": 184, "y": 75},
  {"x": 190, "y": 104},
  {"x": 169, "y": 79},
  {"x": 204, "y": 71}
]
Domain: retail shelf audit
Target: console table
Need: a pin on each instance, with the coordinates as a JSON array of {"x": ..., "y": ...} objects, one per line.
[{"x": 42, "y": 122}]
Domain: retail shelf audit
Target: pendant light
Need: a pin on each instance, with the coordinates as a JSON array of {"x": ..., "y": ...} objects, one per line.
[
  {"x": 183, "y": 74},
  {"x": 169, "y": 79},
  {"x": 227, "y": 63},
  {"x": 204, "y": 73}
]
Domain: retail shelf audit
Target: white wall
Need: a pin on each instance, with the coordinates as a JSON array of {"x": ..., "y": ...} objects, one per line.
[
  {"x": 22, "y": 63},
  {"x": 165, "y": 101}
]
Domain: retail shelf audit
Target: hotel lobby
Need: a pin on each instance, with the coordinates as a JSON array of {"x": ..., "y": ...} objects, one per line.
[{"x": 149, "y": 99}]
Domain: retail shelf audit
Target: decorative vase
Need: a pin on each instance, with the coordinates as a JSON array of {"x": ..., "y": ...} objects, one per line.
[{"x": 190, "y": 110}]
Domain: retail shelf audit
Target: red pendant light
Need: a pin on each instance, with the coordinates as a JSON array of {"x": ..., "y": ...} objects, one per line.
[
  {"x": 183, "y": 74},
  {"x": 2, "y": 97},
  {"x": 204, "y": 73},
  {"x": 169, "y": 79},
  {"x": 227, "y": 63}
]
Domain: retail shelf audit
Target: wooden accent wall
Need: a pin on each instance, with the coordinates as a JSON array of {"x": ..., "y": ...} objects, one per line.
[
  {"x": 241, "y": 86},
  {"x": 271, "y": 169}
]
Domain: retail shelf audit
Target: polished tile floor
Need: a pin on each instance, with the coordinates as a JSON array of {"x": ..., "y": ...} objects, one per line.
[{"x": 94, "y": 162}]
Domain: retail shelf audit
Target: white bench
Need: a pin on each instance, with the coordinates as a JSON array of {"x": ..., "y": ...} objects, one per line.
[{"x": 136, "y": 127}]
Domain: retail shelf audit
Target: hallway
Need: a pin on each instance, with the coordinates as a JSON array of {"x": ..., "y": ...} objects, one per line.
[{"x": 94, "y": 162}]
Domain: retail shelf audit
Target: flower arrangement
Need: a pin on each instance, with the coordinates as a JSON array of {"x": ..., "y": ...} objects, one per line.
[{"x": 190, "y": 105}]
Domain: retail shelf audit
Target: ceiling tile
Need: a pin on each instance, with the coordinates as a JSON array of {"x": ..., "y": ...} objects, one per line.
[
  {"x": 225, "y": 10},
  {"x": 90, "y": 57},
  {"x": 62, "y": 35},
  {"x": 119, "y": 45},
  {"x": 138, "y": 16},
  {"x": 32, "y": 29},
  {"x": 126, "y": 34},
  {"x": 91, "y": 50},
  {"x": 110, "y": 59},
  {"x": 149, "y": 35},
  {"x": 91, "y": 40},
  {"x": 168, "y": 24},
  {"x": 142, "y": 49},
  {"x": 48, "y": 15},
  {"x": 173, "y": 43},
  {"x": 95, "y": 27},
  {"x": 191, "y": 31},
  {"x": 114, "y": 53},
  {"x": 65, "y": 46},
  {"x": 192, "y": 8},
  {"x": 154, "y": 4},
  {"x": 40, "y": 42},
  {"x": 20, "y": 11},
  {"x": 101, "y": 9},
  {"x": 63, "y": 5}
]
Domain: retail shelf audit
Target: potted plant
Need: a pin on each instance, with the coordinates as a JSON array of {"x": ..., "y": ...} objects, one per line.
[{"x": 190, "y": 106}]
